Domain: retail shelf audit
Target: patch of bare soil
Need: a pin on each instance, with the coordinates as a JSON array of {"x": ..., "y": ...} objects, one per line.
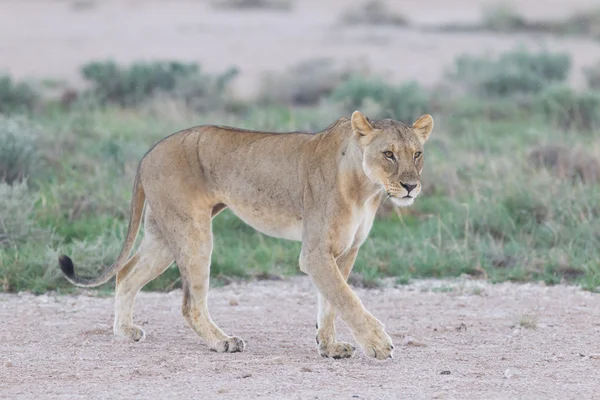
[{"x": 454, "y": 339}]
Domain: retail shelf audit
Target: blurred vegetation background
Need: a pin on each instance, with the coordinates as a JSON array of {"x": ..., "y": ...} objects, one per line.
[{"x": 511, "y": 178}]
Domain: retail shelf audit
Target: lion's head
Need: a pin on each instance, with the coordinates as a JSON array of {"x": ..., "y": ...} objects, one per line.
[{"x": 393, "y": 154}]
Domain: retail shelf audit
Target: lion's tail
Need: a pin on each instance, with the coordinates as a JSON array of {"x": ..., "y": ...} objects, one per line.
[{"x": 137, "y": 207}]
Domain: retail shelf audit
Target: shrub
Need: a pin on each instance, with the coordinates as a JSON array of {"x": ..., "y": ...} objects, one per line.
[
  {"x": 461, "y": 113},
  {"x": 592, "y": 75},
  {"x": 143, "y": 82},
  {"x": 566, "y": 163},
  {"x": 569, "y": 109},
  {"x": 16, "y": 97},
  {"x": 512, "y": 73},
  {"x": 404, "y": 102},
  {"x": 204, "y": 93},
  {"x": 129, "y": 86},
  {"x": 17, "y": 223},
  {"x": 303, "y": 84},
  {"x": 373, "y": 12},
  {"x": 254, "y": 4},
  {"x": 584, "y": 23},
  {"x": 19, "y": 156},
  {"x": 502, "y": 17}
]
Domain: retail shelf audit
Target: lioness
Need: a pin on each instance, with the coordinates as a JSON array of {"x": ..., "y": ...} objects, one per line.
[{"x": 322, "y": 189}]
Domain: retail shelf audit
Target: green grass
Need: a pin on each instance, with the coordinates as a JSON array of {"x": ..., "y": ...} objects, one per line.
[
  {"x": 485, "y": 210},
  {"x": 493, "y": 216}
]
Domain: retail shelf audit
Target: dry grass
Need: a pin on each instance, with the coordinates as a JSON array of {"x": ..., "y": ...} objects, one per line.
[
  {"x": 567, "y": 163},
  {"x": 528, "y": 321}
]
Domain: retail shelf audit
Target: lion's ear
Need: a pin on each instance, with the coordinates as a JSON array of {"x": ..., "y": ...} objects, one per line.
[
  {"x": 361, "y": 125},
  {"x": 423, "y": 127}
]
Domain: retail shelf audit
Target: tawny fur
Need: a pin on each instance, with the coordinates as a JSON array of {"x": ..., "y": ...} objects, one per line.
[{"x": 322, "y": 189}]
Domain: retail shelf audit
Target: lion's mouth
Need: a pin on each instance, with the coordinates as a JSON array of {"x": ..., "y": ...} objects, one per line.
[
  {"x": 391, "y": 196},
  {"x": 403, "y": 201}
]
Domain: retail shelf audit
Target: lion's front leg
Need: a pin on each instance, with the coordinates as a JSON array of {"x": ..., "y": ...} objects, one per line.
[
  {"x": 368, "y": 332},
  {"x": 327, "y": 343}
]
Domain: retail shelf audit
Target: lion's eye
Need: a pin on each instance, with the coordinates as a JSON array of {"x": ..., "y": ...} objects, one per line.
[
  {"x": 418, "y": 154},
  {"x": 389, "y": 154}
]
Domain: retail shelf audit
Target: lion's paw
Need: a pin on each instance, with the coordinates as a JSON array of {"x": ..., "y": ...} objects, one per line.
[
  {"x": 336, "y": 350},
  {"x": 229, "y": 345},
  {"x": 131, "y": 332},
  {"x": 377, "y": 345},
  {"x": 373, "y": 340}
]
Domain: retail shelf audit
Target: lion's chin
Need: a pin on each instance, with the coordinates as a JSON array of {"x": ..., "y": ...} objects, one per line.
[{"x": 403, "y": 202}]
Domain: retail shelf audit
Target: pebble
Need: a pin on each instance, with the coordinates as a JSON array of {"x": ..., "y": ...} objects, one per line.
[
  {"x": 410, "y": 341},
  {"x": 511, "y": 373},
  {"x": 8, "y": 363},
  {"x": 461, "y": 327}
]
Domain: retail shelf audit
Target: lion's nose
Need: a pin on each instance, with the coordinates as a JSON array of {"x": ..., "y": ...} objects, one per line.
[{"x": 408, "y": 186}]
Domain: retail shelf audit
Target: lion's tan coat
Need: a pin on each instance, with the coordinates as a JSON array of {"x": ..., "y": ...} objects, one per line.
[{"x": 322, "y": 189}]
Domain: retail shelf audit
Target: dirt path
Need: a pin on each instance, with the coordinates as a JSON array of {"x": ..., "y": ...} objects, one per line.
[{"x": 62, "y": 347}]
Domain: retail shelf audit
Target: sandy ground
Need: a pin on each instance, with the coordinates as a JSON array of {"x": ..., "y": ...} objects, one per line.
[
  {"x": 62, "y": 346},
  {"x": 52, "y": 39}
]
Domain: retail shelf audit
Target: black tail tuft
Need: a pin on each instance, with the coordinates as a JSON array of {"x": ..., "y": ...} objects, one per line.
[{"x": 66, "y": 265}]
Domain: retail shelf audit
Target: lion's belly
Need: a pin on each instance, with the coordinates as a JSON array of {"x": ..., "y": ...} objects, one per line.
[{"x": 271, "y": 222}]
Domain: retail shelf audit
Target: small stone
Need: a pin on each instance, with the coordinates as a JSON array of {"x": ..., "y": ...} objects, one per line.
[
  {"x": 410, "y": 341},
  {"x": 8, "y": 363},
  {"x": 305, "y": 369},
  {"x": 246, "y": 375},
  {"x": 595, "y": 356},
  {"x": 233, "y": 302},
  {"x": 511, "y": 373},
  {"x": 445, "y": 372}
]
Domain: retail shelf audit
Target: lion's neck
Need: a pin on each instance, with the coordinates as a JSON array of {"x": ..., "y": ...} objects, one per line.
[{"x": 352, "y": 177}]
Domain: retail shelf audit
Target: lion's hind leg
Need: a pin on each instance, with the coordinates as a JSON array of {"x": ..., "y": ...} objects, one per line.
[
  {"x": 190, "y": 240},
  {"x": 152, "y": 259}
]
